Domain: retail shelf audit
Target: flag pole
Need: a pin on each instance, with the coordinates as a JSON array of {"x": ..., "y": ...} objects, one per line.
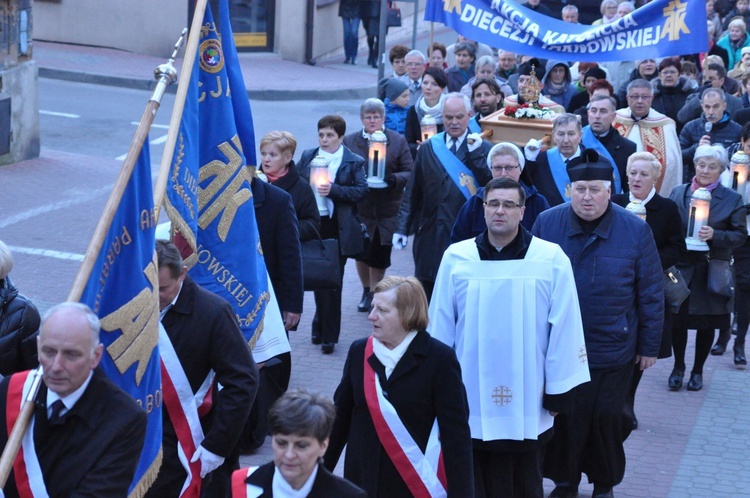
[
  {"x": 165, "y": 75},
  {"x": 191, "y": 50}
]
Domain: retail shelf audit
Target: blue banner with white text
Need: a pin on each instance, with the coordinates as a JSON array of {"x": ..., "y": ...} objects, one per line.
[
  {"x": 660, "y": 28},
  {"x": 123, "y": 292},
  {"x": 209, "y": 199}
]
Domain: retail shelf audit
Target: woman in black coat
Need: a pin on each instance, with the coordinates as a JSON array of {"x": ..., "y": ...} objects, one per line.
[
  {"x": 670, "y": 90},
  {"x": 643, "y": 170},
  {"x": 726, "y": 230},
  {"x": 337, "y": 205},
  {"x": 430, "y": 102},
  {"x": 420, "y": 380},
  {"x": 370, "y": 14},
  {"x": 19, "y": 322},
  {"x": 300, "y": 424},
  {"x": 379, "y": 209}
]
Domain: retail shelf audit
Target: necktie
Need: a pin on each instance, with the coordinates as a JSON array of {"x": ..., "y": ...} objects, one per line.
[
  {"x": 56, "y": 407},
  {"x": 416, "y": 85},
  {"x": 453, "y": 147}
]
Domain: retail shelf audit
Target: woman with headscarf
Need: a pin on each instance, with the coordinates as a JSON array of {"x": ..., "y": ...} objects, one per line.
[{"x": 705, "y": 310}]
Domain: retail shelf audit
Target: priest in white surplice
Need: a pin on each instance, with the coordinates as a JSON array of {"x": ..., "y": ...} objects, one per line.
[{"x": 520, "y": 343}]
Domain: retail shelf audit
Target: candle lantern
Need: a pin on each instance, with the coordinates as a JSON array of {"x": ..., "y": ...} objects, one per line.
[
  {"x": 319, "y": 176},
  {"x": 376, "y": 160},
  {"x": 700, "y": 204},
  {"x": 429, "y": 127},
  {"x": 637, "y": 208},
  {"x": 739, "y": 166}
]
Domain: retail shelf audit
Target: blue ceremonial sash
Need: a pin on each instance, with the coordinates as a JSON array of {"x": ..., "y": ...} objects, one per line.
[
  {"x": 462, "y": 176},
  {"x": 474, "y": 126},
  {"x": 589, "y": 140},
  {"x": 559, "y": 171}
]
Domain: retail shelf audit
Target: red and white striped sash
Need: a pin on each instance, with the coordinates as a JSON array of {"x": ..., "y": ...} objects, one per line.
[
  {"x": 423, "y": 473},
  {"x": 26, "y": 468},
  {"x": 242, "y": 490},
  {"x": 185, "y": 410}
]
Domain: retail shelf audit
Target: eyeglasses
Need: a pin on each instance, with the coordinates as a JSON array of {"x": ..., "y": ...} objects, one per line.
[
  {"x": 372, "y": 117},
  {"x": 640, "y": 97},
  {"x": 506, "y": 169},
  {"x": 413, "y": 64},
  {"x": 507, "y": 205}
]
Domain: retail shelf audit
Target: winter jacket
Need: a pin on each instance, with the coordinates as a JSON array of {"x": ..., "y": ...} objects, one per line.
[
  {"x": 619, "y": 280},
  {"x": 19, "y": 323},
  {"x": 395, "y": 117},
  {"x": 563, "y": 95},
  {"x": 668, "y": 100},
  {"x": 725, "y": 132},
  {"x": 733, "y": 54}
]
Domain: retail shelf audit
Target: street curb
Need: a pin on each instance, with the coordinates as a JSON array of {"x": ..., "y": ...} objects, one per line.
[{"x": 267, "y": 94}]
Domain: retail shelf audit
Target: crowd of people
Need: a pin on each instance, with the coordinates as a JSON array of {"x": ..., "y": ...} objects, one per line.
[{"x": 538, "y": 300}]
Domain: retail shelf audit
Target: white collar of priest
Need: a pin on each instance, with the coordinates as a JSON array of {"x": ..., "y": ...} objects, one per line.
[{"x": 70, "y": 400}]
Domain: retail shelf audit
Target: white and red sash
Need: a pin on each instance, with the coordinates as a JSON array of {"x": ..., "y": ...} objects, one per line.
[
  {"x": 242, "y": 490},
  {"x": 423, "y": 473},
  {"x": 185, "y": 410},
  {"x": 26, "y": 468}
]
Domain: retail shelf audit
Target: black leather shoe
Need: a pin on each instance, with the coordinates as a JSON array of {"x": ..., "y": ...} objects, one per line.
[
  {"x": 316, "y": 340},
  {"x": 695, "y": 383},
  {"x": 675, "y": 380},
  {"x": 365, "y": 302},
  {"x": 721, "y": 342},
  {"x": 602, "y": 492},
  {"x": 739, "y": 354},
  {"x": 564, "y": 492},
  {"x": 327, "y": 347}
]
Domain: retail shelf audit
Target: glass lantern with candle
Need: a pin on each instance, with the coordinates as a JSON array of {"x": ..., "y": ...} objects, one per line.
[
  {"x": 319, "y": 176},
  {"x": 376, "y": 160},
  {"x": 637, "y": 208},
  {"x": 739, "y": 166},
  {"x": 429, "y": 127},
  {"x": 700, "y": 205}
]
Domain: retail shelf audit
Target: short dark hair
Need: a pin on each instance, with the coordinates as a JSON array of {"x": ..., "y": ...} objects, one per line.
[
  {"x": 169, "y": 256},
  {"x": 506, "y": 184},
  {"x": 490, "y": 82},
  {"x": 720, "y": 70},
  {"x": 437, "y": 46},
  {"x": 438, "y": 75},
  {"x": 335, "y": 122},
  {"x": 602, "y": 83},
  {"x": 398, "y": 52},
  {"x": 302, "y": 413},
  {"x": 745, "y": 135},
  {"x": 669, "y": 61}
]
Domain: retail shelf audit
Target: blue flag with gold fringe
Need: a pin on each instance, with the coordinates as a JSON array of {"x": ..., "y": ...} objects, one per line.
[
  {"x": 123, "y": 292},
  {"x": 660, "y": 28},
  {"x": 209, "y": 198}
]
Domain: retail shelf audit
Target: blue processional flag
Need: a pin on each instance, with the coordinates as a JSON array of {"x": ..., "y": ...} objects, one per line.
[
  {"x": 123, "y": 292},
  {"x": 660, "y": 28},
  {"x": 209, "y": 198}
]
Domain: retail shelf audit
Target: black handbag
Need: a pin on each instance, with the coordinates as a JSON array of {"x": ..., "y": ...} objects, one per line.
[
  {"x": 394, "y": 16},
  {"x": 320, "y": 264},
  {"x": 720, "y": 276},
  {"x": 675, "y": 289}
]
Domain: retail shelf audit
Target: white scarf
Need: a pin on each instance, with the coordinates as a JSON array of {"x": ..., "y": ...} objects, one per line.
[
  {"x": 282, "y": 489},
  {"x": 436, "y": 111},
  {"x": 648, "y": 197},
  {"x": 390, "y": 357}
]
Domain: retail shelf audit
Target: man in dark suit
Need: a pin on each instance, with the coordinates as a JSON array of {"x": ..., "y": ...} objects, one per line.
[
  {"x": 87, "y": 433},
  {"x": 601, "y": 113},
  {"x": 439, "y": 186},
  {"x": 204, "y": 346}
]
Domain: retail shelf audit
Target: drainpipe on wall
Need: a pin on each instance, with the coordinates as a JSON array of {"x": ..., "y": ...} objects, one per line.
[{"x": 309, "y": 23}]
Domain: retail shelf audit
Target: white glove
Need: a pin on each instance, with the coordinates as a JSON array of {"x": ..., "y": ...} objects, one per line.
[
  {"x": 532, "y": 149},
  {"x": 209, "y": 461},
  {"x": 473, "y": 141},
  {"x": 399, "y": 241}
]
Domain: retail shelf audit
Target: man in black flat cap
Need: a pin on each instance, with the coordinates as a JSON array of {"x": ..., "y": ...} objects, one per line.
[{"x": 619, "y": 285}]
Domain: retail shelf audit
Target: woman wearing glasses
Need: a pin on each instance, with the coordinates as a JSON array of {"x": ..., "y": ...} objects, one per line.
[{"x": 504, "y": 160}]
